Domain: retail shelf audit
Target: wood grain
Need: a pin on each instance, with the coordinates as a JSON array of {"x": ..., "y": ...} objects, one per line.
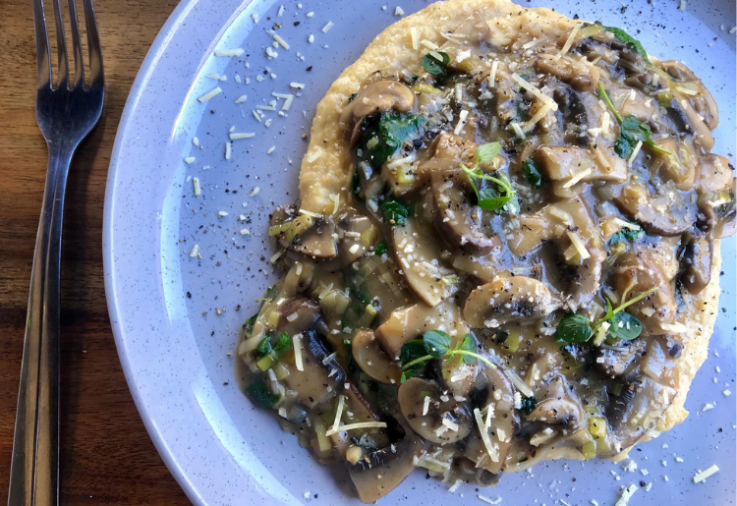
[{"x": 106, "y": 456}]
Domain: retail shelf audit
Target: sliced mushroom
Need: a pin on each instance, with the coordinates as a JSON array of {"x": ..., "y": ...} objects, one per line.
[
  {"x": 358, "y": 233},
  {"x": 614, "y": 361},
  {"x": 571, "y": 225},
  {"x": 716, "y": 187},
  {"x": 298, "y": 314},
  {"x": 307, "y": 235},
  {"x": 321, "y": 376},
  {"x": 696, "y": 263},
  {"x": 637, "y": 409},
  {"x": 381, "y": 471},
  {"x": 418, "y": 255},
  {"x": 503, "y": 424},
  {"x": 633, "y": 102},
  {"x": 559, "y": 406},
  {"x": 667, "y": 213},
  {"x": 373, "y": 360},
  {"x": 688, "y": 84},
  {"x": 580, "y": 74},
  {"x": 440, "y": 420},
  {"x": 410, "y": 322},
  {"x": 575, "y": 116},
  {"x": 566, "y": 166},
  {"x": 507, "y": 299},
  {"x": 376, "y": 97},
  {"x": 637, "y": 272},
  {"x": 457, "y": 219}
]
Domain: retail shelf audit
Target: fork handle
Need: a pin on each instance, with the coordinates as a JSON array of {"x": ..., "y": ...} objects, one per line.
[{"x": 34, "y": 470}]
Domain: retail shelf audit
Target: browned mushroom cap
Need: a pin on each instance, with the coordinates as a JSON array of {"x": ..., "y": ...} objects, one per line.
[
  {"x": 580, "y": 74},
  {"x": 409, "y": 322},
  {"x": 307, "y": 235},
  {"x": 508, "y": 299},
  {"x": 373, "y": 360},
  {"x": 439, "y": 419},
  {"x": 665, "y": 214},
  {"x": 376, "y": 97},
  {"x": 637, "y": 272},
  {"x": 503, "y": 423},
  {"x": 696, "y": 263},
  {"x": 418, "y": 255},
  {"x": 298, "y": 315},
  {"x": 380, "y": 472},
  {"x": 691, "y": 86},
  {"x": 559, "y": 405}
]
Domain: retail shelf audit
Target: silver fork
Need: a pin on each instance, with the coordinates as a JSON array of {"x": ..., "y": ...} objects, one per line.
[{"x": 66, "y": 112}]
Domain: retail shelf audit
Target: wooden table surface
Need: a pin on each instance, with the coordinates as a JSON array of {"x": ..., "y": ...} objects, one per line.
[{"x": 106, "y": 455}]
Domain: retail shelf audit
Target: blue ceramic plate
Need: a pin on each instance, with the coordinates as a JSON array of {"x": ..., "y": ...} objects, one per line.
[{"x": 176, "y": 317}]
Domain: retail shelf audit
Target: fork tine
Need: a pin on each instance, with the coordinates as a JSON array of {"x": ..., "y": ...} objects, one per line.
[
  {"x": 93, "y": 40},
  {"x": 76, "y": 45},
  {"x": 61, "y": 46},
  {"x": 43, "y": 65}
]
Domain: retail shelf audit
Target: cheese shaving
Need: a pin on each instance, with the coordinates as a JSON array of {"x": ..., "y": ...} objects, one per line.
[
  {"x": 207, "y": 96},
  {"x": 493, "y": 454},
  {"x": 339, "y": 411},
  {"x": 519, "y": 384},
  {"x": 635, "y": 151},
  {"x": 578, "y": 244},
  {"x": 315, "y": 155},
  {"x": 415, "y": 38},
  {"x": 492, "y": 76},
  {"x": 196, "y": 186},
  {"x": 461, "y": 122},
  {"x": 703, "y": 475},
  {"x": 356, "y": 426},
  {"x": 228, "y": 52},
  {"x": 537, "y": 117},
  {"x": 426, "y": 405},
  {"x": 517, "y": 129},
  {"x": 436, "y": 55},
  {"x": 626, "y": 494},
  {"x": 674, "y": 327},
  {"x": 626, "y": 224},
  {"x": 570, "y": 40},
  {"x": 236, "y": 136},
  {"x": 577, "y": 178},
  {"x": 535, "y": 91},
  {"x": 430, "y": 45},
  {"x": 450, "y": 424},
  {"x": 297, "y": 342}
]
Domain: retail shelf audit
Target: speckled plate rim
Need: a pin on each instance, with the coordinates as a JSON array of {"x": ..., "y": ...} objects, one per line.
[{"x": 145, "y": 125}]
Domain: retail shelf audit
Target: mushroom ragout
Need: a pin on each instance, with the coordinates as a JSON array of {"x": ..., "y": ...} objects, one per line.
[{"x": 513, "y": 264}]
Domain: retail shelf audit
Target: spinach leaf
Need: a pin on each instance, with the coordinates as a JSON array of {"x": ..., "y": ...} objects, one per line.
[
  {"x": 528, "y": 404},
  {"x": 413, "y": 351},
  {"x": 574, "y": 328},
  {"x": 434, "y": 66},
  {"x": 380, "y": 249},
  {"x": 283, "y": 344},
  {"x": 384, "y": 133},
  {"x": 260, "y": 394},
  {"x": 626, "y": 234},
  {"x": 264, "y": 347},
  {"x": 531, "y": 174},
  {"x": 395, "y": 213}
]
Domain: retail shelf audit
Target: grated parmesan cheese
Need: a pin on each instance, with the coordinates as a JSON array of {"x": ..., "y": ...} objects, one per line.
[
  {"x": 243, "y": 135},
  {"x": 426, "y": 405},
  {"x": 578, "y": 177},
  {"x": 196, "y": 251},
  {"x": 212, "y": 93},
  {"x": 327, "y": 27},
  {"x": 315, "y": 155},
  {"x": 196, "y": 186},
  {"x": 296, "y": 341},
  {"x": 703, "y": 475},
  {"x": 489, "y": 501},
  {"x": 463, "y": 117},
  {"x": 626, "y": 494},
  {"x": 535, "y": 91},
  {"x": 297, "y": 86},
  {"x": 578, "y": 244},
  {"x": 490, "y": 450},
  {"x": 228, "y": 150},
  {"x": 569, "y": 41},
  {"x": 280, "y": 41},
  {"x": 228, "y": 52},
  {"x": 241, "y": 99},
  {"x": 356, "y": 426},
  {"x": 635, "y": 151}
]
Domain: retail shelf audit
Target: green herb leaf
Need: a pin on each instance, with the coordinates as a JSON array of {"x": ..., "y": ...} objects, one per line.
[
  {"x": 628, "y": 39},
  {"x": 413, "y": 352},
  {"x": 395, "y": 213},
  {"x": 283, "y": 344},
  {"x": 264, "y": 347},
  {"x": 382, "y": 134},
  {"x": 574, "y": 328},
  {"x": 625, "y": 326},
  {"x": 489, "y": 199},
  {"x": 248, "y": 326},
  {"x": 532, "y": 174},
  {"x": 528, "y": 404},
  {"x": 468, "y": 345},
  {"x": 260, "y": 394},
  {"x": 487, "y": 152},
  {"x": 626, "y": 234},
  {"x": 437, "y": 343},
  {"x": 622, "y": 147},
  {"x": 434, "y": 66},
  {"x": 380, "y": 249}
]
